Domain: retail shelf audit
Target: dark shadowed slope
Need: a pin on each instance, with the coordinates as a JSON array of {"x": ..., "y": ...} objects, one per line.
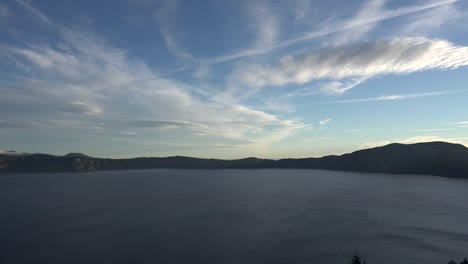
[{"x": 436, "y": 158}]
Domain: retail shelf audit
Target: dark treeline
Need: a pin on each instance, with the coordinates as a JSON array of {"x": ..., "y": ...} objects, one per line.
[
  {"x": 356, "y": 259},
  {"x": 434, "y": 158},
  {"x": 465, "y": 261}
]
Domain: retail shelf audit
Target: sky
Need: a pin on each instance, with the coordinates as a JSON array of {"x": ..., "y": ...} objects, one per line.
[{"x": 231, "y": 79}]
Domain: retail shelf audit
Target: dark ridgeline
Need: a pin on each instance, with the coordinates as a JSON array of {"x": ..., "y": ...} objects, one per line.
[
  {"x": 356, "y": 259},
  {"x": 434, "y": 158}
]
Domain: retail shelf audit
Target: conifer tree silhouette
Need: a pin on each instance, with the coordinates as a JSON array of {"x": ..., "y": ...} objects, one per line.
[{"x": 356, "y": 260}]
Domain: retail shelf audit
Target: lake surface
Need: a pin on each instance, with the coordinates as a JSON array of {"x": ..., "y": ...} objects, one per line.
[{"x": 231, "y": 216}]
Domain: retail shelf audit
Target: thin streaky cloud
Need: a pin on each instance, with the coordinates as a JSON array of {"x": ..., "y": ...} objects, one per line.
[
  {"x": 384, "y": 15},
  {"x": 159, "y": 123},
  {"x": 383, "y": 98},
  {"x": 301, "y": 10},
  {"x": 432, "y": 20},
  {"x": 340, "y": 87},
  {"x": 338, "y": 27},
  {"x": 34, "y": 11},
  {"x": 82, "y": 108},
  {"x": 356, "y": 62},
  {"x": 433, "y": 129},
  {"x": 456, "y": 123},
  {"x": 324, "y": 122},
  {"x": 369, "y": 9},
  {"x": 389, "y": 97},
  {"x": 164, "y": 16},
  {"x": 265, "y": 23}
]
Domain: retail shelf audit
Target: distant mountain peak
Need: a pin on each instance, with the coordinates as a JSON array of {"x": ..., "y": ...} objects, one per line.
[
  {"x": 11, "y": 152},
  {"x": 76, "y": 155}
]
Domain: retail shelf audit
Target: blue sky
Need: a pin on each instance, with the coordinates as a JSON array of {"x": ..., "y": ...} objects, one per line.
[{"x": 231, "y": 79}]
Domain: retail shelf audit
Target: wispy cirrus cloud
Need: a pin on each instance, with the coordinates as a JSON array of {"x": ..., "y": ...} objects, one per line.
[
  {"x": 165, "y": 17},
  {"x": 49, "y": 123},
  {"x": 459, "y": 124},
  {"x": 266, "y": 25},
  {"x": 301, "y": 9},
  {"x": 81, "y": 108},
  {"x": 357, "y": 26},
  {"x": 163, "y": 124},
  {"x": 341, "y": 86},
  {"x": 394, "y": 97},
  {"x": 324, "y": 122},
  {"x": 317, "y": 138},
  {"x": 34, "y": 11},
  {"x": 432, "y": 129},
  {"x": 361, "y": 24},
  {"x": 423, "y": 23},
  {"x": 389, "y": 98},
  {"x": 92, "y": 75},
  {"x": 357, "y": 62}
]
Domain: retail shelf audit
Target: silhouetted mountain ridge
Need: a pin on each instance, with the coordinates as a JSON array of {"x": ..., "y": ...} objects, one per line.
[
  {"x": 435, "y": 158},
  {"x": 76, "y": 155}
]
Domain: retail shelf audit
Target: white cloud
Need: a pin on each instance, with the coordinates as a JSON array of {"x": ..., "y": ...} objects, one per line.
[
  {"x": 432, "y": 129},
  {"x": 431, "y": 20},
  {"x": 324, "y": 122},
  {"x": 357, "y": 26},
  {"x": 160, "y": 124},
  {"x": 378, "y": 17},
  {"x": 462, "y": 124},
  {"x": 92, "y": 75},
  {"x": 393, "y": 97},
  {"x": 366, "y": 23},
  {"x": 340, "y": 87},
  {"x": 317, "y": 138},
  {"x": 389, "y": 97},
  {"x": 350, "y": 65},
  {"x": 266, "y": 24}
]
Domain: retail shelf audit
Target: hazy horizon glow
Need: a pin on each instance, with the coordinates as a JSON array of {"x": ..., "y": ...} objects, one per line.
[{"x": 231, "y": 79}]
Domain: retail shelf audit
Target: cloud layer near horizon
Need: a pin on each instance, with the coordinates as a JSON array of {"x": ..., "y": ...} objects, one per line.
[{"x": 93, "y": 78}]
